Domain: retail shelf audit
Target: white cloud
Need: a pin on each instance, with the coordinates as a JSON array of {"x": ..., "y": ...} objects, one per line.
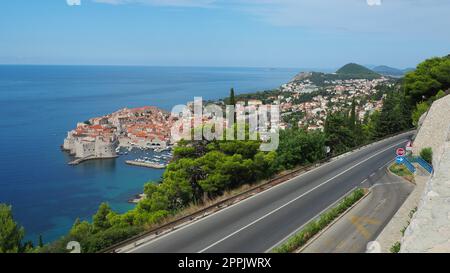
[
  {"x": 173, "y": 3},
  {"x": 350, "y": 15},
  {"x": 73, "y": 2},
  {"x": 374, "y": 2},
  {"x": 345, "y": 15}
]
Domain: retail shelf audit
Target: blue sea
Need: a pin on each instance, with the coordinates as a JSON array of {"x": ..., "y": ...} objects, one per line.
[{"x": 39, "y": 104}]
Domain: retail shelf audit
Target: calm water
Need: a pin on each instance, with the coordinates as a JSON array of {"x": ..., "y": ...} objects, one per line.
[{"x": 39, "y": 104}]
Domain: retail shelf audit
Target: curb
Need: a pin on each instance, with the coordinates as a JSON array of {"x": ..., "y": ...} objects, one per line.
[{"x": 401, "y": 177}]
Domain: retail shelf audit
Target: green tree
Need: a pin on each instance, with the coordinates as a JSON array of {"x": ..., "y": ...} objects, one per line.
[
  {"x": 40, "y": 241},
  {"x": 299, "y": 147},
  {"x": 421, "y": 108},
  {"x": 429, "y": 77},
  {"x": 232, "y": 97},
  {"x": 395, "y": 115},
  {"x": 369, "y": 126},
  {"x": 11, "y": 234},
  {"x": 264, "y": 165},
  {"x": 100, "y": 219},
  {"x": 352, "y": 120},
  {"x": 233, "y": 103},
  {"x": 80, "y": 230},
  {"x": 440, "y": 95},
  {"x": 339, "y": 136}
]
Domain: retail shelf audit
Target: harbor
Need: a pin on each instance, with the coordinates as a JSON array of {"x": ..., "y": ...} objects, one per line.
[
  {"x": 155, "y": 158},
  {"x": 78, "y": 161},
  {"x": 146, "y": 164}
]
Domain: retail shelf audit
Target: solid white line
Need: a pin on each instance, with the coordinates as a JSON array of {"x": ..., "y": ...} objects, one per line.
[
  {"x": 297, "y": 198},
  {"x": 313, "y": 218},
  {"x": 334, "y": 160},
  {"x": 317, "y": 215}
]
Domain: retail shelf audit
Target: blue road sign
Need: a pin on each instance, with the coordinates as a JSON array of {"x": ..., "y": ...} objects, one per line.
[{"x": 400, "y": 159}]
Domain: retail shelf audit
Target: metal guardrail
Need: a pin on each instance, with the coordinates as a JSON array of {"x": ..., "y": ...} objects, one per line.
[
  {"x": 419, "y": 160},
  {"x": 240, "y": 196},
  {"x": 427, "y": 166},
  {"x": 409, "y": 165}
]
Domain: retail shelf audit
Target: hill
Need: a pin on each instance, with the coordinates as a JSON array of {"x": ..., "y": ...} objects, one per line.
[
  {"x": 356, "y": 71},
  {"x": 406, "y": 70},
  {"x": 347, "y": 72},
  {"x": 388, "y": 71}
]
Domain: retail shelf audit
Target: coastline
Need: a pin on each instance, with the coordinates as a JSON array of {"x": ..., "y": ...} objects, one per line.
[
  {"x": 84, "y": 187},
  {"x": 136, "y": 198}
]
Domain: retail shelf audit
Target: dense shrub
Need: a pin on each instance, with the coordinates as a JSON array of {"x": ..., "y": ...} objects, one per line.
[
  {"x": 395, "y": 248},
  {"x": 421, "y": 108},
  {"x": 427, "y": 155}
]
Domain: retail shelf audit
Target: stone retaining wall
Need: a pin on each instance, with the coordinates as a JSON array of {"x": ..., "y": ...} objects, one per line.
[
  {"x": 429, "y": 230},
  {"x": 435, "y": 129}
]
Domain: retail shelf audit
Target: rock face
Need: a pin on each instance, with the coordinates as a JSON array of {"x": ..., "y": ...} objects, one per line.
[
  {"x": 435, "y": 129},
  {"x": 429, "y": 230}
]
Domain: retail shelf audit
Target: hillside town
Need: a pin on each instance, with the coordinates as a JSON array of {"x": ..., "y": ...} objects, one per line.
[
  {"x": 333, "y": 96},
  {"x": 150, "y": 127}
]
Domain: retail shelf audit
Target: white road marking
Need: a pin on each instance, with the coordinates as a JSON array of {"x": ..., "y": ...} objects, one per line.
[
  {"x": 315, "y": 217},
  {"x": 150, "y": 241},
  {"x": 297, "y": 198},
  {"x": 384, "y": 184}
]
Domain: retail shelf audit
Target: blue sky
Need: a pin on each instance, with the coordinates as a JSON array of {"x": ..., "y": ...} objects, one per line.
[{"x": 261, "y": 33}]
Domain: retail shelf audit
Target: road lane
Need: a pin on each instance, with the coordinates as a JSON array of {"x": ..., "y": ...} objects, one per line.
[
  {"x": 364, "y": 223},
  {"x": 256, "y": 224}
]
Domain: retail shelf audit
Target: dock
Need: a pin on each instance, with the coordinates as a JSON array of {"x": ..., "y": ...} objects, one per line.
[
  {"x": 80, "y": 160},
  {"x": 91, "y": 157},
  {"x": 146, "y": 164}
]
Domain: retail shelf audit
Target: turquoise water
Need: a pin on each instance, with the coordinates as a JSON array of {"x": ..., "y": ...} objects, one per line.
[{"x": 39, "y": 104}]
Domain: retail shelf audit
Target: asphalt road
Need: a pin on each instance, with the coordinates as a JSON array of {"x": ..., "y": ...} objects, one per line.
[
  {"x": 363, "y": 223},
  {"x": 259, "y": 223}
]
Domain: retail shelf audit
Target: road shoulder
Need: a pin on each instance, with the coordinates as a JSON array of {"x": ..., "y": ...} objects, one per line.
[
  {"x": 392, "y": 233},
  {"x": 364, "y": 222}
]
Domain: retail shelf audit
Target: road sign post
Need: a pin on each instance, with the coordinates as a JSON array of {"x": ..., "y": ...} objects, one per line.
[
  {"x": 400, "y": 152},
  {"x": 409, "y": 147},
  {"x": 399, "y": 159}
]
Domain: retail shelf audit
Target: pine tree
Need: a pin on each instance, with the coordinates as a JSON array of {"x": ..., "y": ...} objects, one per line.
[
  {"x": 100, "y": 219},
  {"x": 352, "y": 119},
  {"x": 395, "y": 115},
  {"x": 232, "y": 98},
  {"x": 41, "y": 241},
  {"x": 11, "y": 234},
  {"x": 233, "y": 103}
]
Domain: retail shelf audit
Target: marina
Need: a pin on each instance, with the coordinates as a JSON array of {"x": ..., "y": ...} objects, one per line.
[
  {"x": 149, "y": 158},
  {"x": 147, "y": 164}
]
